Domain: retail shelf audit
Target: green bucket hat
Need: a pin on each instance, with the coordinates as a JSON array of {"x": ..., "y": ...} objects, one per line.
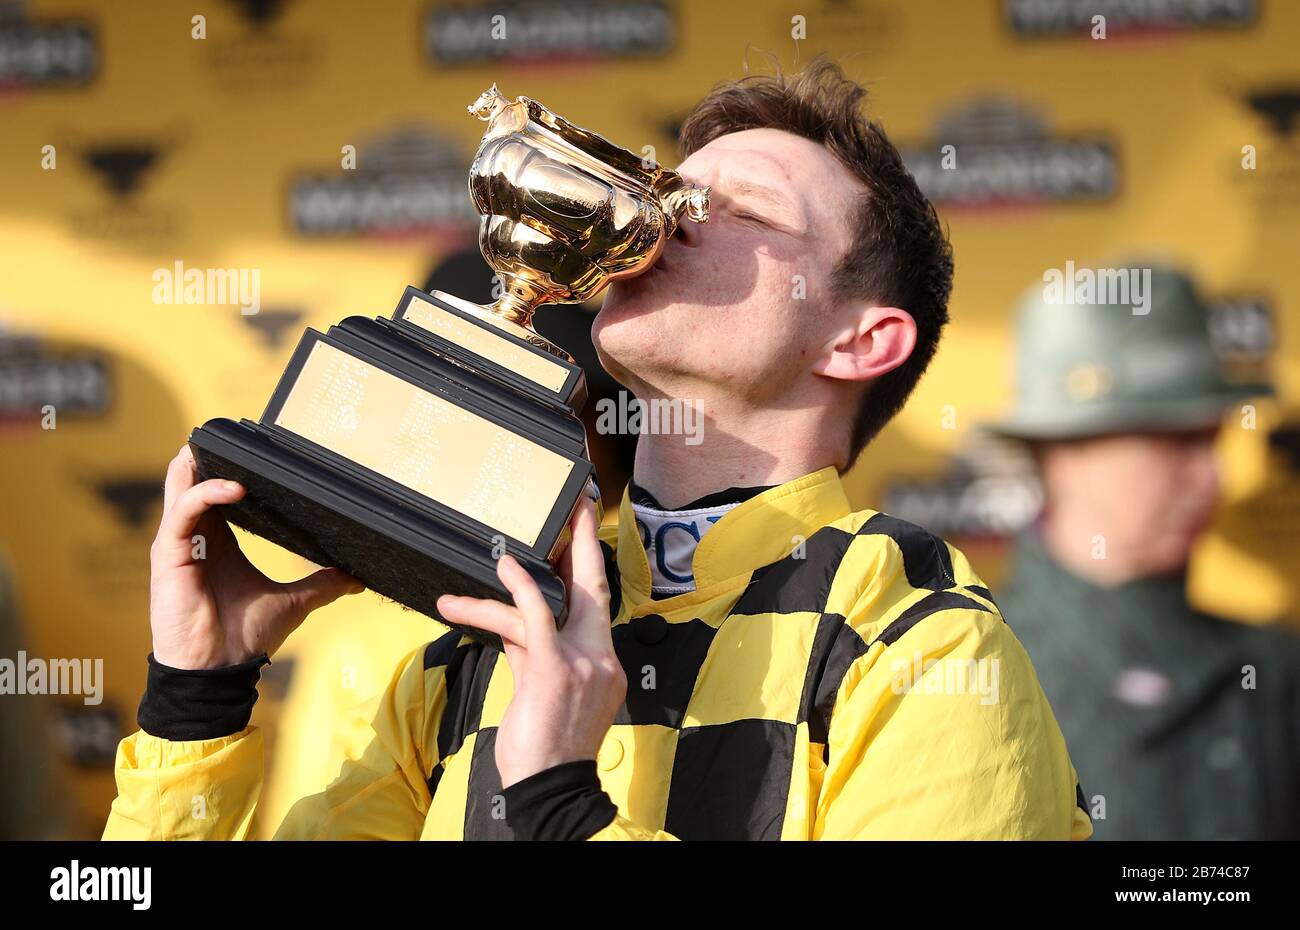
[{"x": 1124, "y": 348}]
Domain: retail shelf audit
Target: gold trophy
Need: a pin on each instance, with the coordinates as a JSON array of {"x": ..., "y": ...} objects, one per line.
[{"x": 413, "y": 451}]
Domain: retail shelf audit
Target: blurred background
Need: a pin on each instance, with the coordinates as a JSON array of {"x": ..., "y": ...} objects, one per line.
[{"x": 325, "y": 145}]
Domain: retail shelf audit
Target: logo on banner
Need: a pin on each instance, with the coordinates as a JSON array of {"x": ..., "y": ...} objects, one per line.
[
  {"x": 410, "y": 182},
  {"x": 88, "y": 736},
  {"x": 555, "y": 30},
  {"x": 272, "y": 324},
  {"x": 994, "y": 153},
  {"x": 121, "y": 169},
  {"x": 35, "y": 378},
  {"x": 131, "y": 498},
  {"x": 45, "y": 53},
  {"x": 1243, "y": 336},
  {"x": 872, "y": 26},
  {"x": 1275, "y": 175},
  {"x": 262, "y": 55},
  {"x": 1278, "y": 106},
  {"x": 111, "y": 559},
  {"x": 1044, "y": 18},
  {"x": 990, "y": 492},
  {"x": 259, "y": 13}
]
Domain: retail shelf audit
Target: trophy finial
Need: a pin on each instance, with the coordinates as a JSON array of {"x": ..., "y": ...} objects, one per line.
[
  {"x": 488, "y": 104},
  {"x": 693, "y": 200},
  {"x": 697, "y": 204}
]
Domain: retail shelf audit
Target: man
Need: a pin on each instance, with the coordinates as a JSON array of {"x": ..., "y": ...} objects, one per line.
[
  {"x": 1184, "y": 725},
  {"x": 805, "y": 671}
]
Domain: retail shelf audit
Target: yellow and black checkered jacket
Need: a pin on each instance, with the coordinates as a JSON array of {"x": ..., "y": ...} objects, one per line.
[{"x": 835, "y": 674}]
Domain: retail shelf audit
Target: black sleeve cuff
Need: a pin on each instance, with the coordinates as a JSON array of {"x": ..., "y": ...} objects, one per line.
[
  {"x": 564, "y": 802},
  {"x": 186, "y": 704}
]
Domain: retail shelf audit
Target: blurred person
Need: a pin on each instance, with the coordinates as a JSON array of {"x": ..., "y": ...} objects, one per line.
[
  {"x": 1183, "y": 725},
  {"x": 749, "y": 676},
  {"x": 31, "y": 803}
]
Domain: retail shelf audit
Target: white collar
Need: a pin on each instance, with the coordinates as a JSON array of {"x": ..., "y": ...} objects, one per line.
[{"x": 669, "y": 538}]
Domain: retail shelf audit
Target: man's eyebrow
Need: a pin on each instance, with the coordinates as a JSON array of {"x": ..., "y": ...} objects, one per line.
[
  {"x": 762, "y": 191},
  {"x": 790, "y": 217}
]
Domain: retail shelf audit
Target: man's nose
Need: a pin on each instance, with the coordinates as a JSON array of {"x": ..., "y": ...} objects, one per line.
[{"x": 688, "y": 232}]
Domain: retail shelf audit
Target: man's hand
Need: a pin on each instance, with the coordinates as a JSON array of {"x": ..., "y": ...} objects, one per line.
[
  {"x": 569, "y": 683},
  {"x": 208, "y": 605}
]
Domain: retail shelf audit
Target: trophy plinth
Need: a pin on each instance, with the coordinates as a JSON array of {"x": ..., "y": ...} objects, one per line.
[{"x": 412, "y": 451}]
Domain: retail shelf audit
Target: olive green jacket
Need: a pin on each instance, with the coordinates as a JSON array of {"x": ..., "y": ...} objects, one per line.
[{"x": 1181, "y": 725}]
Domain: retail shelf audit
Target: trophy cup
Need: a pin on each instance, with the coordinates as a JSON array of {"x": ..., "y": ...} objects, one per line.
[{"x": 412, "y": 451}]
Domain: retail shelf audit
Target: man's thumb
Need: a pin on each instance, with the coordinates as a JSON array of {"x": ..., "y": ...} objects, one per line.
[{"x": 321, "y": 588}]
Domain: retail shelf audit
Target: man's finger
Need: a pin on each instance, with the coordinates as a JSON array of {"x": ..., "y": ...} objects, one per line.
[
  {"x": 564, "y": 567},
  {"x": 587, "y": 558},
  {"x": 484, "y": 614},
  {"x": 539, "y": 622},
  {"x": 180, "y": 477},
  {"x": 178, "y": 524},
  {"x": 588, "y": 587}
]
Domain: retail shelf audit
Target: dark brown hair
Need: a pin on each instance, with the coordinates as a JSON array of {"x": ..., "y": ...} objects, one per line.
[{"x": 899, "y": 254}]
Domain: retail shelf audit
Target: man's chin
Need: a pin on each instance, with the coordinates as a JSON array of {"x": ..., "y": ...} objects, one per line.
[
  {"x": 625, "y": 300},
  {"x": 628, "y": 295},
  {"x": 627, "y": 331}
]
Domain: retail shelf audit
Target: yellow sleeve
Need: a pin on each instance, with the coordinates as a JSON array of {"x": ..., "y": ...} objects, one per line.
[
  {"x": 620, "y": 828},
  {"x": 342, "y": 668},
  {"x": 946, "y": 734},
  {"x": 186, "y": 790},
  {"x": 382, "y": 791},
  {"x": 209, "y": 789}
]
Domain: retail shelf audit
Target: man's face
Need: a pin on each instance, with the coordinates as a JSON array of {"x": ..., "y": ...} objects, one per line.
[
  {"x": 1149, "y": 495},
  {"x": 741, "y": 300}
]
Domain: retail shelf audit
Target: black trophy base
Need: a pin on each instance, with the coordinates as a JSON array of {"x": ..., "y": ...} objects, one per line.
[{"x": 315, "y": 508}]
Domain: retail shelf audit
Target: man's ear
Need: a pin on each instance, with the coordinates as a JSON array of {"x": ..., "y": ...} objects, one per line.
[{"x": 879, "y": 340}]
